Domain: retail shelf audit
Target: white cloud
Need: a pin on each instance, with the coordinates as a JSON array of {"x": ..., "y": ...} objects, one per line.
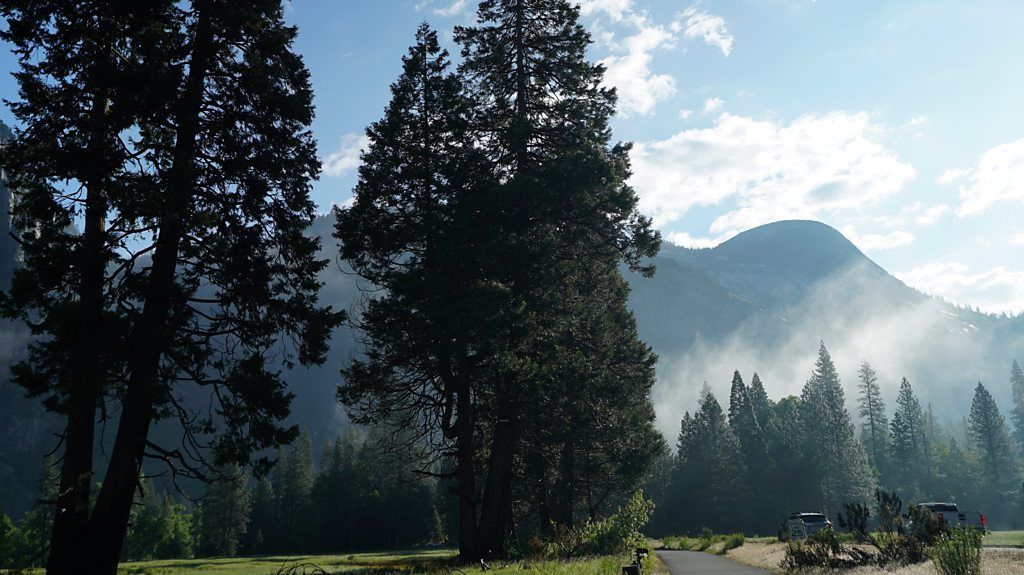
[
  {"x": 918, "y": 213},
  {"x": 639, "y": 88},
  {"x": 915, "y": 127},
  {"x": 952, "y": 175},
  {"x": 916, "y": 122},
  {"x": 686, "y": 240},
  {"x": 1017, "y": 239},
  {"x": 932, "y": 215},
  {"x": 615, "y": 9},
  {"x": 996, "y": 177},
  {"x": 685, "y": 114},
  {"x": 629, "y": 64},
  {"x": 879, "y": 242},
  {"x": 713, "y": 105},
  {"x": 816, "y": 167},
  {"x": 995, "y": 290},
  {"x": 709, "y": 27},
  {"x": 346, "y": 158},
  {"x": 453, "y": 9}
]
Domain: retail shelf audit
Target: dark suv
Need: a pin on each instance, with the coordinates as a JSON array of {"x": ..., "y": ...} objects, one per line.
[{"x": 814, "y": 522}]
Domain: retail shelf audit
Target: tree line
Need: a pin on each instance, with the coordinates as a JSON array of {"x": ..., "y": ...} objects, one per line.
[
  {"x": 359, "y": 495},
  {"x": 747, "y": 466},
  {"x": 161, "y": 167}
]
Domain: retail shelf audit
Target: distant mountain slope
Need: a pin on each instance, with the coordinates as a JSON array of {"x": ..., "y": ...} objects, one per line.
[{"x": 764, "y": 299}]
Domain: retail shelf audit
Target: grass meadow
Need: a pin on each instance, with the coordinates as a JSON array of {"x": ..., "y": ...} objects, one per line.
[{"x": 428, "y": 562}]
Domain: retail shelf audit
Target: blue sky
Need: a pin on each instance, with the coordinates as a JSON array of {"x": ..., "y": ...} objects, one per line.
[{"x": 900, "y": 122}]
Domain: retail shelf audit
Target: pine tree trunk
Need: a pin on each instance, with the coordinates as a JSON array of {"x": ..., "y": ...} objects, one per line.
[
  {"x": 567, "y": 482},
  {"x": 496, "y": 511},
  {"x": 109, "y": 523},
  {"x": 70, "y": 522},
  {"x": 538, "y": 474},
  {"x": 469, "y": 550}
]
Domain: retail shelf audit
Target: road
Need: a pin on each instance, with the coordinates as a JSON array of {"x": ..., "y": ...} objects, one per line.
[{"x": 698, "y": 563}]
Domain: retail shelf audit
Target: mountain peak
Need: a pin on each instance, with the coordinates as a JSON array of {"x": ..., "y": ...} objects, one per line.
[{"x": 803, "y": 247}]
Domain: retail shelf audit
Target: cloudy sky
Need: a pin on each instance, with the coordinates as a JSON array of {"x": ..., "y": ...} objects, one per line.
[{"x": 900, "y": 123}]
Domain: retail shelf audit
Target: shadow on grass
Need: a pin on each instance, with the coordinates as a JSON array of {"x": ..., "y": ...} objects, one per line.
[{"x": 402, "y": 562}]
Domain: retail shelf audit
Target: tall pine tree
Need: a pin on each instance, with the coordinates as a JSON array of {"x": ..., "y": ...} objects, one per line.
[
  {"x": 293, "y": 484},
  {"x": 762, "y": 404},
  {"x": 1017, "y": 411},
  {"x": 225, "y": 513},
  {"x": 912, "y": 448},
  {"x": 420, "y": 227},
  {"x": 565, "y": 212},
  {"x": 233, "y": 274},
  {"x": 745, "y": 426},
  {"x": 709, "y": 487},
  {"x": 832, "y": 455},
  {"x": 874, "y": 424},
  {"x": 87, "y": 71},
  {"x": 511, "y": 295},
  {"x": 261, "y": 533},
  {"x": 990, "y": 440}
]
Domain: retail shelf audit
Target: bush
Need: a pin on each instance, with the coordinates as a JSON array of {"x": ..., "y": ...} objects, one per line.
[
  {"x": 926, "y": 526},
  {"x": 620, "y": 532},
  {"x": 823, "y": 550},
  {"x": 675, "y": 542},
  {"x": 900, "y": 550},
  {"x": 707, "y": 537},
  {"x": 733, "y": 541},
  {"x": 958, "y": 552}
]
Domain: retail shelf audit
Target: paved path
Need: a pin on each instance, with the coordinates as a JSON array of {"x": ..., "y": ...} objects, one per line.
[{"x": 698, "y": 563}]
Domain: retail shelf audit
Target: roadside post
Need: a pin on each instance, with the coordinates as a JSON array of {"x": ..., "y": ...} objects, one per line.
[{"x": 637, "y": 567}]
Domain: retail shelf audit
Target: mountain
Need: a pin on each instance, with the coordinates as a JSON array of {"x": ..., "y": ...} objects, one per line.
[
  {"x": 761, "y": 275},
  {"x": 763, "y": 300}
]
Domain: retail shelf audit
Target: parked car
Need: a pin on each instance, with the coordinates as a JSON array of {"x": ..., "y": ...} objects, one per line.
[
  {"x": 814, "y": 522},
  {"x": 950, "y": 514}
]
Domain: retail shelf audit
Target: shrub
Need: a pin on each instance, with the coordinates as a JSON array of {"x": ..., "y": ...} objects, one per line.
[
  {"x": 733, "y": 541},
  {"x": 926, "y": 526},
  {"x": 958, "y": 552},
  {"x": 620, "y": 532},
  {"x": 677, "y": 542},
  {"x": 900, "y": 550},
  {"x": 823, "y": 550},
  {"x": 854, "y": 519},
  {"x": 893, "y": 545},
  {"x": 707, "y": 537}
]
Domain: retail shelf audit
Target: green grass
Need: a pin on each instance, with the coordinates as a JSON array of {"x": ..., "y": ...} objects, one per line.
[
  {"x": 433, "y": 562},
  {"x": 1003, "y": 539},
  {"x": 710, "y": 542}
]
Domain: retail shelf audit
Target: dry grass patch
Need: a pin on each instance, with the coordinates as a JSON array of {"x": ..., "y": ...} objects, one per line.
[{"x": 769, "y": 556}]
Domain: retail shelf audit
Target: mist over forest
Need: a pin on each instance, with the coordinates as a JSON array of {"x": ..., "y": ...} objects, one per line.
[{"x": 770, "y": 317}]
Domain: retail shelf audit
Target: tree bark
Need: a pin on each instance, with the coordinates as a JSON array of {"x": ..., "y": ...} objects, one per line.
[
  {"x": 71, "y": 517},
  {"x": 567, "y": 481},
  {"x": 149, "y": 336},
  {"x": 537, "y": 474},
  {"x": 469, "y": 550},
  {"x": 496, "y": 509}
]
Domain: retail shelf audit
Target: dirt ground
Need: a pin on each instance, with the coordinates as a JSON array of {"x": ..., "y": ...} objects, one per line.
[{"x": 769, "y": 556}]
